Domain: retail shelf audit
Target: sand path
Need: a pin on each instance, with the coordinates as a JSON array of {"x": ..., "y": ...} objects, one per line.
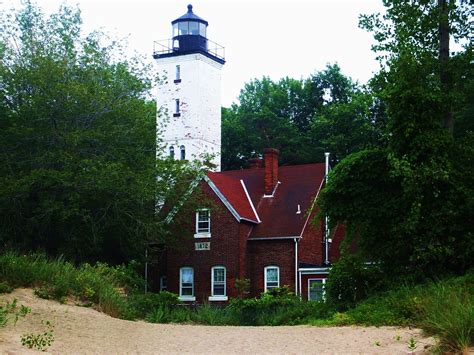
[{"x": 84, "y": 330}]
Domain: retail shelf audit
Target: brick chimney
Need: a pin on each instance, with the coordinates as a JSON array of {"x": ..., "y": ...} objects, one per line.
[
  {"x": 271, "y": 169},
  {"x": 255, "y": 163}
]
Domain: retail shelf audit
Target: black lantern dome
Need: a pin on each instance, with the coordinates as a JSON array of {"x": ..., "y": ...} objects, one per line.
[
  {"x": 189, "y": 32},
  {"x": 189, "y": 36}
]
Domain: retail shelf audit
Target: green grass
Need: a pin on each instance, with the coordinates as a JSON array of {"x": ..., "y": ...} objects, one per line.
[
  {"x": 444, "y": 309},
  {"x": 449, "y": 315},
  {"x": 58, "y": 279}
]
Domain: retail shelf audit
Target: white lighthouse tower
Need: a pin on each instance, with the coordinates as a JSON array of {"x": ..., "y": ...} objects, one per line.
[{"x": 189, "y": 98}]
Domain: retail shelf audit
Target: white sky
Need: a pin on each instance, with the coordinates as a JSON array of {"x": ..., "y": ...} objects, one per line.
[{"x": 275, "y": 38}]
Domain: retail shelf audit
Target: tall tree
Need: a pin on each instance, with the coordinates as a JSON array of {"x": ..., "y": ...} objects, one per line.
[
  {"x": 409, "y": 204},
  {"x": 79, "y": 175},
  {"x": 303, "y": 118}
]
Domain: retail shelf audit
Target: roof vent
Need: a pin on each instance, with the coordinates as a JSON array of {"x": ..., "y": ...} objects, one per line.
[{"x": 299, "y": 210}]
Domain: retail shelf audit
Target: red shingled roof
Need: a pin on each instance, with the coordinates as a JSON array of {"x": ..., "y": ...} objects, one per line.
[
  {"x": 234, "y": 192},
  {"x": 299, "y": 184}
]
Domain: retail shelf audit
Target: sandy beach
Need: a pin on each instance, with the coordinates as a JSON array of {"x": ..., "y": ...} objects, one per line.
[{"x": 84, "y": 330}]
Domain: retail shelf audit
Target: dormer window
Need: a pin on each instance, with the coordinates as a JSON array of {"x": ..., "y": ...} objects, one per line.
[
  {"x": 203, "y": 224},
  {"x": 177, "y": 112}
]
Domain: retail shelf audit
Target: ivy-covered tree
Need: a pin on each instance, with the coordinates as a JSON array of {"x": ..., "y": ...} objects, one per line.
[
  {"x": 79, "y": 175},
  {"x": 409, "y": 204}
]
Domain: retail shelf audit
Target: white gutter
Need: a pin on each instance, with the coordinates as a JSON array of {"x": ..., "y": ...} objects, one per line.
[
  {"x": 276, "y": 238},
  {"x": 326, "y": 219},
  {"x": 299, "y": 283},
  {"x": 314, "y": 270}
]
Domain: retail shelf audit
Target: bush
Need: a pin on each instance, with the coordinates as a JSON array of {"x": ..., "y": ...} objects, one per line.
[
  {"x": 277, "y": 307},
  {"x": 350, "y": 281},
  {"x": 142, "y": 304},
  {"x": 5, "y": 287}
]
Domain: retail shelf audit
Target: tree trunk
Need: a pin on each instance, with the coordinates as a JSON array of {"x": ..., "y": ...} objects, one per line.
[{"x": 445, "y": 72}]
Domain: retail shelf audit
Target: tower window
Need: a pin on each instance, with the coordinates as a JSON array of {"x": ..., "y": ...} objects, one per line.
[
  {"x": 177, "y": 112},
  {"x": 183, "y": 152},
  {"x": 172, "y": 152},
  {"x": 177, "y": 78}
]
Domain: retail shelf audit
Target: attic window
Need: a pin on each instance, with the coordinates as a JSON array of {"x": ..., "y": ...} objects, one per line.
[{"x": 203, "y": 224}]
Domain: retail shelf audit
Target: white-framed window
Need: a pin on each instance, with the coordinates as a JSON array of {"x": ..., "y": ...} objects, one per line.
[
  {"x": 203, "y": 223},
  {"x": 171, "y": 152},
  {"x": 183, "y": 152},
  {"x": 271, "y": 277},
  {"x": 186, "y": 284},
  {"x": 163, "y": 283},
  {"x": 316, "y": 291},
  {"x": 218, "y": 284},
  {"x": 178, "y": 73}
]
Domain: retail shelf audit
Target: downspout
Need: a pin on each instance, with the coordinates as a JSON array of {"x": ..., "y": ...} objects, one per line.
[
  {"x": 326, "y": 218},
  {"x": 296, "y": 265},
  {"x": 299, "y": 282}
]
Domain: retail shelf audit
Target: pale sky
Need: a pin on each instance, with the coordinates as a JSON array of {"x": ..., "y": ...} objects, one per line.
[{"x": 275, "y": 38}]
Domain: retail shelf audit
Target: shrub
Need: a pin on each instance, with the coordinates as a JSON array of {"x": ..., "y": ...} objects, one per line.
[
  {"x": 5, "y": 287},
  {"x": 41, "y": 341},
  {"x": 142, "y": 304},
  {"x": 350, "y": 281}
]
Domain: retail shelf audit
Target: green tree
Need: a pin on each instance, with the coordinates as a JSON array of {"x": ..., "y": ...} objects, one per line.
[
  {"x": 79, "y": 175},
  {"x": 302, "y": 118},
  {"x": 409, "y": 204}
]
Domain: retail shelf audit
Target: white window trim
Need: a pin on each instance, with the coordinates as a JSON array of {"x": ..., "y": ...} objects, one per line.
[
  {"x": 202, "y": 234},
  {"x": 324, "y": 288},
  {"x": 218, "y": 297},
  {"x": 265, "y": 275},
  {"x": 181, "y": 297}
]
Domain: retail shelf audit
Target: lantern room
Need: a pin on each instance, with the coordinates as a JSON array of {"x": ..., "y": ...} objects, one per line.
[{"x": 189, "y": 36}]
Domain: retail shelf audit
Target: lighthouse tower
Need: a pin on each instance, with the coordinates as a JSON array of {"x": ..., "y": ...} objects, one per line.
[{"x": 189, "y": 98}]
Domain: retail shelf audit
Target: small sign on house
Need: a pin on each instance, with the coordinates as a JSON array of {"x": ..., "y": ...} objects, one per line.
[{"x": 202, "y": 246}]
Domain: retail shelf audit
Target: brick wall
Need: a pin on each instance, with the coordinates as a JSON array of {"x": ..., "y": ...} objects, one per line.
[
  {"x": 262, "y": 253},
  {"x": 224, "y": 250},
  {"x": 311, "y": 247}
]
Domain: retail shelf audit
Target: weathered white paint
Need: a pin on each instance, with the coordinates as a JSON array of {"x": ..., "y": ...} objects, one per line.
[{"x": 199, "y": 126}]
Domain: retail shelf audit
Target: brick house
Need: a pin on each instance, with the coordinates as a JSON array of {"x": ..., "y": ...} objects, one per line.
[{"x": 260, "y": 229}]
